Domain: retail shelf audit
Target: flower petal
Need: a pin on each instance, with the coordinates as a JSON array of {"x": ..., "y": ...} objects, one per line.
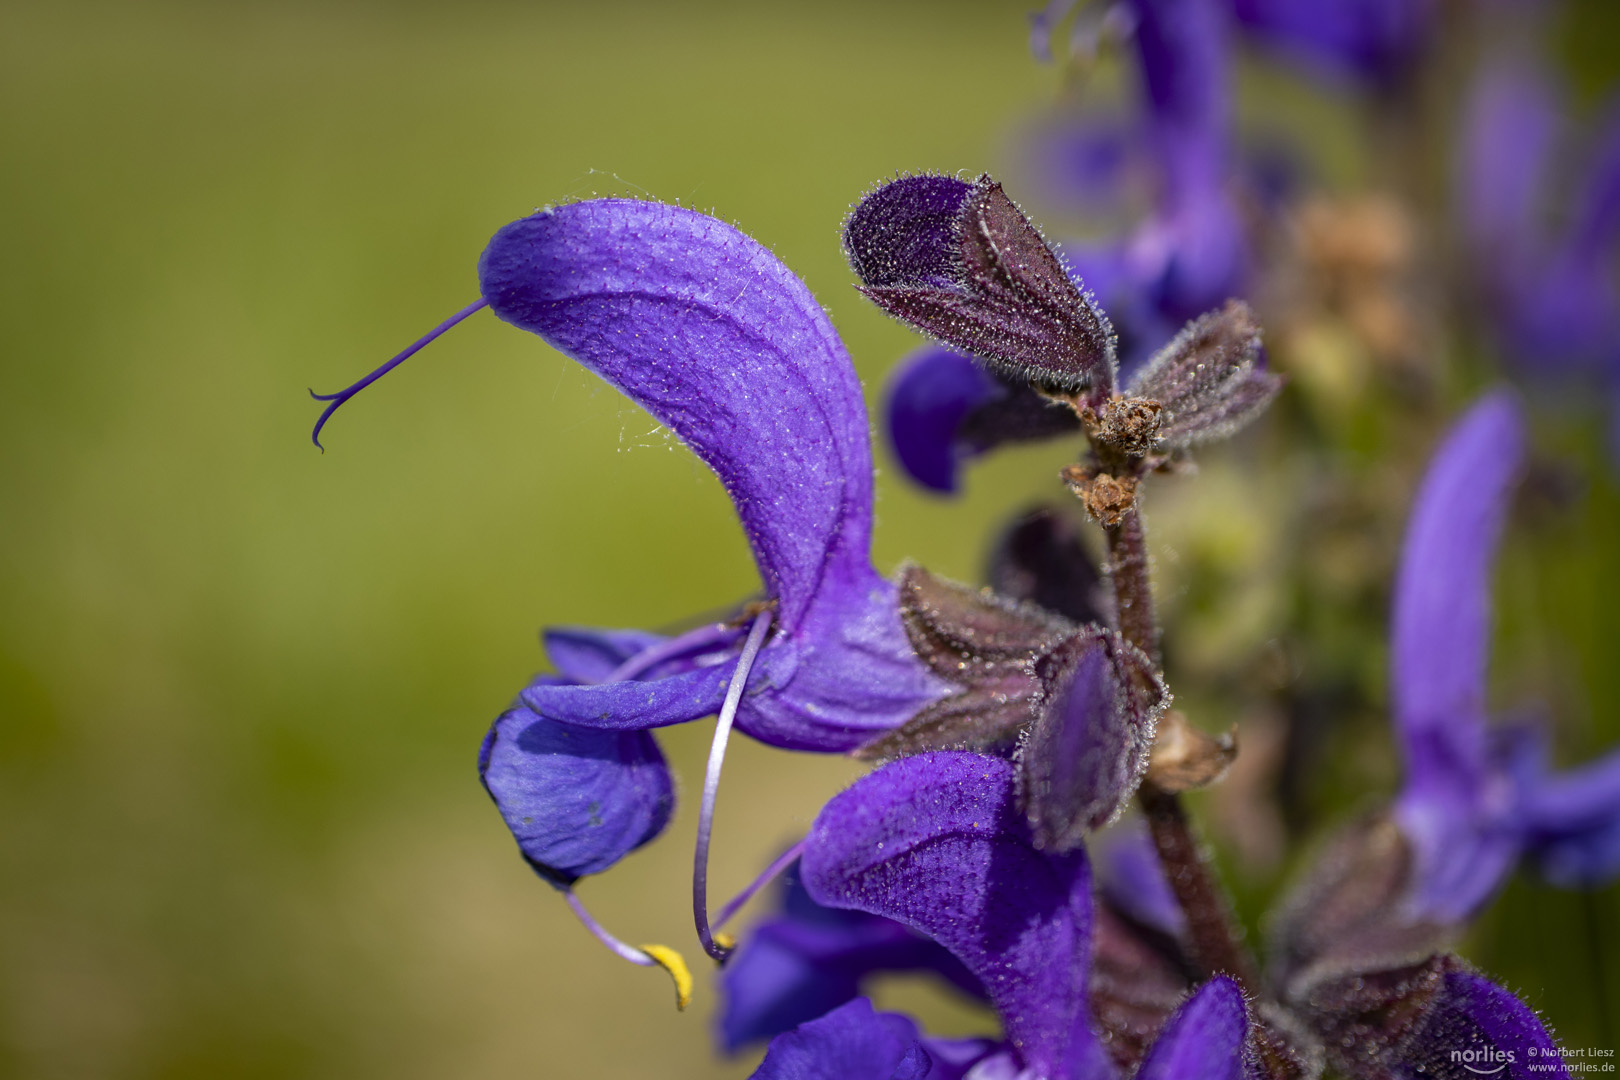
[
  {"x": 576, "y": 800},
  {"x": 1441, "y": 625},
  {"x": 632, "y": 706},
  {"x": 850, "y": 1043},
  {"x": 1203, "y": 1039},
  {"x": 1194, "y": 250},
  {"x": 1508, "y": 135},
  {"x": 1476, "y": 1028},
  {"x": 811, "y": 959},
  {"x": 584, "y": 654},
  {"x": 937, "y": 842},
  {"x": 930, "y": 394},
  {"x": 1370, "y": 40},
  {"x": 710, "y": 333},
  {"x": 1572, "y": 823}
]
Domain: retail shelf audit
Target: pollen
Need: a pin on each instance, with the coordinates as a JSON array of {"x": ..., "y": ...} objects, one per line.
[{"x": 672, "y": 962}]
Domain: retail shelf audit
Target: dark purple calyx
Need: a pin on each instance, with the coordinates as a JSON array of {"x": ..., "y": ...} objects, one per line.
[
  {"x": 1076, "y": 704},
  {"x": 1210, "y": 380},
  {"x": 1040, "y": 559},
  {"x": 960, "y": 262}
]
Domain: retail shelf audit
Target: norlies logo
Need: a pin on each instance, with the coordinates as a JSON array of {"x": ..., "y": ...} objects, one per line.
[{"x": 1484, "y": 1062}]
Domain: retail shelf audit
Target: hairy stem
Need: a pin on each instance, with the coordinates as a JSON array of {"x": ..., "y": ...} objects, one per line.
[
  {"x": 1214, "y": 940},
  {"x": 1133, "y": 593},
  {"x": 1216, "y": 943}
]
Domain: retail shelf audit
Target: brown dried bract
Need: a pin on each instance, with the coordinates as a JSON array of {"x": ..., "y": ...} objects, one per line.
[
  {"x": 1107, "y": 498},
  {"x": 1185, "y": 758}
]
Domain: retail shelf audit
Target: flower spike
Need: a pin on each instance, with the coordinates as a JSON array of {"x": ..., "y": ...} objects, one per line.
[
  {"x": 711, "y": 785},
  {"x": 344, "y": 395}
]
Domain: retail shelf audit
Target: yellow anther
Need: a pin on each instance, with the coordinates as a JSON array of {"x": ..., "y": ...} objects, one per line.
[
  {"x": 672, "y": 962},
  {"x": 725, "y": 940}
]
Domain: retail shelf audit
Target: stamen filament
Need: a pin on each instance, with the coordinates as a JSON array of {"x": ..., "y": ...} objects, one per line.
[
  {"x": 712, "y": 635},
  {"x": 645, "y": 956},
  {"x": 598, "y": 931},
  {"x": 783, "y": 861},
  {"x": 711, "y": 785},
  {"x": 344, "y": 395}
]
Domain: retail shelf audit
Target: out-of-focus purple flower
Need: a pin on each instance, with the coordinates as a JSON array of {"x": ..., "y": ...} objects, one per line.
[
  {"x": 810, "y": 959},
  {"x": 1371, "y": 42},
  {"x": 1192, "y": 254},
  {"x": 1474, "y": 801},
  {"x": 1548, "y": 280}
]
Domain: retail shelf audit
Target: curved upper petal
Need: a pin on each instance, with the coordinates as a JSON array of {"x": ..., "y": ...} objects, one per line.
[
  {"x": 711, "y": 334},
  {"x": 576, "y": 800},
  {"x": 937, "y": 841},
  {"x": 1440, "y": 637},
  {"x": 704, "y": 328}
]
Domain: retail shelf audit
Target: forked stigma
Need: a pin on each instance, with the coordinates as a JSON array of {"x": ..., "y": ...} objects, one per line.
[{"x": 344, "y": 395}]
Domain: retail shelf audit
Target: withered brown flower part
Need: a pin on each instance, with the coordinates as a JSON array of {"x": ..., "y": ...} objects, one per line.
[{"x": 1106, "y": 497}]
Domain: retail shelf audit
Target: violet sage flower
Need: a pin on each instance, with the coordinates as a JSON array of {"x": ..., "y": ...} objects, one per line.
[
  {"x": 937, "y": 842},
  {"x": 711, "y": 334},
  {"x": 1476, "y": 799},
  {"x": 1549, "y": 288},
  {"x": 1371, "y": 42}
]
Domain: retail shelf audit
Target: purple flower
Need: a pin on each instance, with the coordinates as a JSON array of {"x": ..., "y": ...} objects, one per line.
[
  {"x": 1190, "y": 254},
  {"x": 945, "y": 409},
  {"x": 855, "y": 1043},
  {"x": 1548, "y": 282},
  {"x": 712, "y": 335},
  {"x": 937, "y": 843},
  {"x": 704, "y": 328},
  {"x": 1476, "y": 799},
  {"x": 1373, "y": 42},
  {"x": 809, "y": 959}
]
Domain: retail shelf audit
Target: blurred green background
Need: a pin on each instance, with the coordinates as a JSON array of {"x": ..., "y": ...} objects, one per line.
[{"x": 242, "y": 684}]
